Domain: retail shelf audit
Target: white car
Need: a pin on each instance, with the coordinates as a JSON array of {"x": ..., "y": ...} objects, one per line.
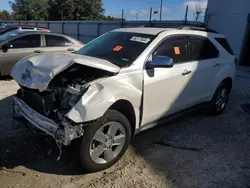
[{"x": 121, "y": 83}]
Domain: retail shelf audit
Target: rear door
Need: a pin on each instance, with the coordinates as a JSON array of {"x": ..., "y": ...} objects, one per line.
[
  {"x": 21, "y": 47},
  {"x": 204, "y": 56},
  {"x": 57, "y": 43}
]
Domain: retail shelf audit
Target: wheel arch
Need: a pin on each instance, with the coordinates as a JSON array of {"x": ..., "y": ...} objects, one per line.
[
  {"x": 228, "y": 82},
  {"x": 126, "y": 108}
]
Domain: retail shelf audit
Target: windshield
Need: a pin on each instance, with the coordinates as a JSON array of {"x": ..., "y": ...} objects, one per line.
[
  {"x": 9, "y": 35},
  {"x": 120, "y": 48}
]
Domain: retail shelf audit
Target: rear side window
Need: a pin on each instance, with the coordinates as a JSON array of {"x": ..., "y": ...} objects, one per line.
[
  {"x": 174, "y": 47},
  {"x": 29, "y": 41},
  {"x": 30, "y": 28},
  {"x": 56, "y": 41},
  {"x": 224, "y": 43},
  {"x": 201, "y": 48}
]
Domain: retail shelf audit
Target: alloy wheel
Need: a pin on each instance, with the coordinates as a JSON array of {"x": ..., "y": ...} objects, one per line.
[
  {"x": 221, "y": 100},
  {"x": 107, "y": 143}
]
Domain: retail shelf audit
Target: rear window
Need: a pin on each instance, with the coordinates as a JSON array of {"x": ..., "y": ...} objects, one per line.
[{"x": 224, "y": 43}]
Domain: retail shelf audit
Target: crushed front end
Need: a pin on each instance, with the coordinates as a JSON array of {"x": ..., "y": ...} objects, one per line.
[{"x": 47, "y": 109}]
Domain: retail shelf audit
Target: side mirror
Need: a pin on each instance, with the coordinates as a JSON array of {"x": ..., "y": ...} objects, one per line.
[
  {"x": 161, "y": 62},
  {"x": 6, "y": 46}
]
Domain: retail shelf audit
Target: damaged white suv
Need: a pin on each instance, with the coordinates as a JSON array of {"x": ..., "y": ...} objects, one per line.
[{"x": 120, "y": 84}]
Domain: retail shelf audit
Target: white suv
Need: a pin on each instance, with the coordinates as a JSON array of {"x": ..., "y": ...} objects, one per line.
[{"x": 121, "y": 83}]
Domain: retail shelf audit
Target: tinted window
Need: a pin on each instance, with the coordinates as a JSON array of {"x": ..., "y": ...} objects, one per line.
[
  {"x": 120, "y": 48},
  {"x": 29, "y": 41},
  {"x": 30, "y": 28},
  {"x": 174, "y": 47},
  {"x": 53, "y": 41},
  {"x": 224, "y": 43},
  {"x": 201, "y": 48}
]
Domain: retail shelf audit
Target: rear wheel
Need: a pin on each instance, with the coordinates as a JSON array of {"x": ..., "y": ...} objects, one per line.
[
  {"x": 105, "y": 141},
  {"x": 220, "y": 100}
]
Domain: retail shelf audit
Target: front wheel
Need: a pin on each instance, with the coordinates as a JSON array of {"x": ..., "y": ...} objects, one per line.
[{"x": 105, "y": 141}]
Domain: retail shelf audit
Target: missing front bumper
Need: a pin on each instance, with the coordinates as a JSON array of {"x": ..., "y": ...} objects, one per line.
[
  {"x": 39, "y": 121},
  {"x": 62, "y": 134}
]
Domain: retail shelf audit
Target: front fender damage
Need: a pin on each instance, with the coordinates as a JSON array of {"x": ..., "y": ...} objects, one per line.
[{"x": 86, "y": 109}]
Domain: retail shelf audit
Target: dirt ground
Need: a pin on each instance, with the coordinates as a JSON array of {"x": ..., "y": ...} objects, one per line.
[{"x": 193, "y": 151}]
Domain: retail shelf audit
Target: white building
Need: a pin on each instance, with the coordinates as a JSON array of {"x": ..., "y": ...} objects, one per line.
[{"x": 232, "y": 19}]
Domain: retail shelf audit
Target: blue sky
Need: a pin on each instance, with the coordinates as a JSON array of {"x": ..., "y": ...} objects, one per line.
[{"x": 172, "y": 9}]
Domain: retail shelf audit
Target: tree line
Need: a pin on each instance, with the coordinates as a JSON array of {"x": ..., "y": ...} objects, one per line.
[{"x": 55, "y": 10}]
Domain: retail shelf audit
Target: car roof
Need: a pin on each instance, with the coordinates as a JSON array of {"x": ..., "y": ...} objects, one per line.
[
  {"x": 28, "y": 32},
  {"x": 49, "y": 33},
  {"x": 8, "y": 26}
]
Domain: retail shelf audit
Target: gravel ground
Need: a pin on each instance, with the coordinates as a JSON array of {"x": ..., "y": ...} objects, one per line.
[{"x": 193, "y": 151}]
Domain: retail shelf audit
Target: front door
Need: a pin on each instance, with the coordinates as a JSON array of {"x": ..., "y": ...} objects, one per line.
[
  {"x": 19, "y": 48},
  {"x": 166, "y": 90}
]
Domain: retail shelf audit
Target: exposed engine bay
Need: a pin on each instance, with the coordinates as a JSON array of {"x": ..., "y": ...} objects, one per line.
[
  {"x": 59, "y": 93},
  {"x": 63, "y": 92}
]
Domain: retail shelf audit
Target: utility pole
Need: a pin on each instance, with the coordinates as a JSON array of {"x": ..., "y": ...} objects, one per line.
[
  {"x": 186, "y": 14},
  {"x": 122, "y": 17},
  {"x": 161, "y": 10},
  {"x": 150, "y": 17},
  {"x": 206, "y": 19}
]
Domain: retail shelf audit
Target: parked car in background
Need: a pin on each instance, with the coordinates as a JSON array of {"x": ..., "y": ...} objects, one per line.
[
  {"x": 121, "y": 83},
  {"x": 24, "y": 44},
  {"x": 7, "y": 28},
  {"x": 14, "y": 33},
  {"x": 3, "y": 25}
]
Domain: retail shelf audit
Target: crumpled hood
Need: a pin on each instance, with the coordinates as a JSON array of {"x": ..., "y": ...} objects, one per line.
[{"x": 36, "y": 72}]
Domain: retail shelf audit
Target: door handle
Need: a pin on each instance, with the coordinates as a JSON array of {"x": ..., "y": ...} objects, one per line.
[
  {"x": 217, "y": 65},
  {"x": 38, "y": 51},
  {"x": 71, "y": 49},
  {"x": 186, "y": 72}
]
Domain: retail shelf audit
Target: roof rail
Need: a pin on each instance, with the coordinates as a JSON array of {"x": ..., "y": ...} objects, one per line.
[
  {"x": 149, "y": 25},
  {"x": 197, "y": 29}
]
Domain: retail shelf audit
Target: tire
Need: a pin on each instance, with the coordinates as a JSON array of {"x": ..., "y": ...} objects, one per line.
[
  {"x": 215, "y": 107},
  {"x": 93, "y": 142}
]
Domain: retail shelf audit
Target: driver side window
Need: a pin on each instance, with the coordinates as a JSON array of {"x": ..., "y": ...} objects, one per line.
[
  {"x": 29, "y": 41},
  {"x": 174, "y": 47}
]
